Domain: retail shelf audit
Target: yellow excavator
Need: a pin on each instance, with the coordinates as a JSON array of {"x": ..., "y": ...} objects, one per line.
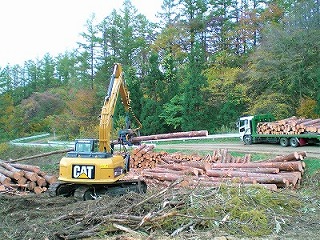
[{"x": 92, "y": 169}]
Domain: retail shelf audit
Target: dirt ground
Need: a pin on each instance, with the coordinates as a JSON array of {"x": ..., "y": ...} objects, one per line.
[{"x": 42, "y": 217}]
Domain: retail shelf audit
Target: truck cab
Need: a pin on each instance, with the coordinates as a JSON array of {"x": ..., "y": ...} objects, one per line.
[
  {"x": 248, "y": 128},
  {"x": 245, "y": 129}
]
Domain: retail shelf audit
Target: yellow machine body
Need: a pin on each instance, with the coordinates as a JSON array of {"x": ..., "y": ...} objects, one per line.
[{"x": 91, "y": 170}]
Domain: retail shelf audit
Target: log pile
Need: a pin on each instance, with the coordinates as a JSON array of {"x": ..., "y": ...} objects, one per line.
[
  {"x": 292, "y": 125},
  {"x": 218, "y": 167},
  {"x": 18, "y": 178},
  {"x": 144, "y": 157}
]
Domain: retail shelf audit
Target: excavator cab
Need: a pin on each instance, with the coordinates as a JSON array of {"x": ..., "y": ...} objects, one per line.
[{"x": 88, "y": 148}]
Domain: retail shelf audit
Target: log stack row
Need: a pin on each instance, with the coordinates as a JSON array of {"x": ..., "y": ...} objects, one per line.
[
  {"x": 220, "y": 167},
  {"x": 15, "y": 177},
  {"x": 292, "y": 125}
]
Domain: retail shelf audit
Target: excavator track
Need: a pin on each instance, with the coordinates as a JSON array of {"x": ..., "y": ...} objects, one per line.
[{"x": 91, "y": 192}]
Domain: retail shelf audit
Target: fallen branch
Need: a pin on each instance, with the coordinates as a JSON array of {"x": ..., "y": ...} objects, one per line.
[
  {"x": 40, "y": 155},
  {"x": 173, "y": 184}
]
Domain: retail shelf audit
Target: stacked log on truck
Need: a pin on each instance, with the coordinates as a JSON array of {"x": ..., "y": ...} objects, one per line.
[
  {"x": 18, "y": 178},
  {"x": 160, "y": 168},
  {"x": 293, "y": 131},
  {"x": 292, "y": 125}
]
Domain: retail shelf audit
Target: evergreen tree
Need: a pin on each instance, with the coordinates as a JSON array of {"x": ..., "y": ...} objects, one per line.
[
  {"x": 48, "y": 78},
  {"x": 89, "y": 54},
  {"x": 153, "y": 91},
  {"x": 193, "y": 102},
  {"x": 7, "y": 129},
  {"x": 66, "y": 68}
]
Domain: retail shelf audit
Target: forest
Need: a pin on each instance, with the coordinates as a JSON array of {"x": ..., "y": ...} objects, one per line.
[{"x": 204, "y": 64}]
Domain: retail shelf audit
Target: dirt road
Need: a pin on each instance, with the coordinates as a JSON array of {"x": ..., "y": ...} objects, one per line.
[{"x": 312, "y": 151}]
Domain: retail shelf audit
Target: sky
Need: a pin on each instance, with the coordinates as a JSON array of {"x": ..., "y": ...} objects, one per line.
[{"x": 31, "y": 28}]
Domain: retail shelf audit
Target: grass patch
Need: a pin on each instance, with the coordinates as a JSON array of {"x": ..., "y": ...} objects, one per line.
[
  {"x": 49, "y": 164},
  {"x": 312, "y": 166}
]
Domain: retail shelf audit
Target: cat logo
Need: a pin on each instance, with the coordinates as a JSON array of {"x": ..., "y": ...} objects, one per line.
[{"x": 83, "y": 171}]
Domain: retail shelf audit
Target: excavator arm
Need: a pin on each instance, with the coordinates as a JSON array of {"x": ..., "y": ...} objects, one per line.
[{"x": 117, "y": 85}]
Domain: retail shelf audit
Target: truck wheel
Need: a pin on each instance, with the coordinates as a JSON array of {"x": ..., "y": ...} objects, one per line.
[
  {"x": 284, "y": 142},
  {"x": 294, "y": 142},
  {"x": 247, "y": 139}
]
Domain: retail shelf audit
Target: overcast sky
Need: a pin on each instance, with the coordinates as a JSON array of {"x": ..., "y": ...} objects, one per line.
[{"x": 31, "y": 28}]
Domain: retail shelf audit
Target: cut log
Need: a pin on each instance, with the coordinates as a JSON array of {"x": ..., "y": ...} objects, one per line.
[
  {"x": 38, "y": 190},
  {"x": 162, "y": 176},
  {"x": 283, "y": 166},
  {"x": 184, "y": 169},
  {"x": 13, "y": 175},
  {"x": 30, "y": 168},
  {"x": 233, "y": 173},
  {"x": 311, "y": 122},
  {"x": 253, "y": 170},
  {"x": 22, "y": 181},
  {"x": 31, "y": 176},
  {"x": 202, "y": 133},
  {"x": 5, "y": 180},
  {"x": 31, "y": 185},
  {"x": 49, "y": 178},
  {"x": 41, "y": 182},
  {"x": 11, "y": 168},
  {"x": 136, "y": 150},
  {"x": 290, "y": 157}
]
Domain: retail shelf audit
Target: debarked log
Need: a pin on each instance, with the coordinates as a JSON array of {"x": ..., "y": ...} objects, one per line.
[
  {"x": 290, "y": 157},
  {"x": 164, "y": 176},
  {"x": 184, "y": 169},
  {"x": 190, "y": 134},
  {"x": 11, "y": 168},
  {"x": 13, "y": 175},
  {"x": 283, "y": 166},
  {"x": 30, "y": 168}
]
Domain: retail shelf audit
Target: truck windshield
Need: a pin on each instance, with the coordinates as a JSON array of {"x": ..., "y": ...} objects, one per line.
[{"x": 243, "y": 122}]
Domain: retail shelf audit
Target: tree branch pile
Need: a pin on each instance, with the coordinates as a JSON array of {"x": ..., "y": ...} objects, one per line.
[
  {"x": 16, "y": 178},
  {"x": 217, "y": 168},
  {"x": 240, "y": 211},
  {"x": 292, "y": 125}
]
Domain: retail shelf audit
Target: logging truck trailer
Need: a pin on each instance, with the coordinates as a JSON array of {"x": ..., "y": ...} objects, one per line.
[{"x": 248, "y": 131}]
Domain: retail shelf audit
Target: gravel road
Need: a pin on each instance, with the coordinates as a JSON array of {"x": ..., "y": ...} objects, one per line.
[{"x": 312, "y": 151}]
